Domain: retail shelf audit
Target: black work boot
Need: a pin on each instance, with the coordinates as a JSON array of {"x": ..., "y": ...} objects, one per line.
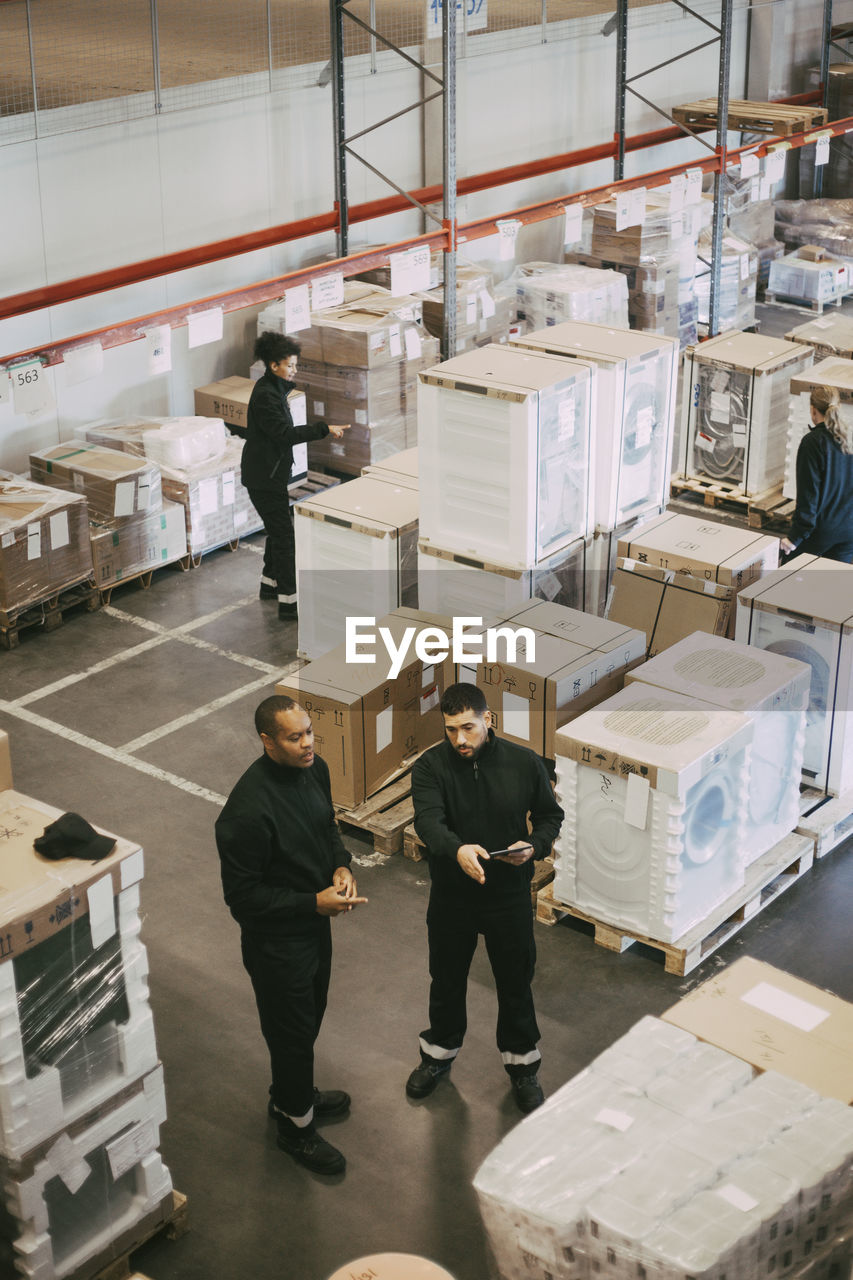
[
  {"x": 308, "y": 1148},
  {"x": 425, "y": 1077}
]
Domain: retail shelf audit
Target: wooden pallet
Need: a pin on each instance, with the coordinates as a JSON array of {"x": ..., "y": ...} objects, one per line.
[
  {"x": 385, "y": 815},
  {"x": 803, "y": 304},
  {"x": 827, "y": 820},
  {"x": 413, "y": 846},
  {"x": 760, "y": 510},
  {"x": 142, "y": 579},
  {"x": 543, "y": 874},
  {"x": 47, "y": 614},
  {"x": 768, "y": 877},
  {"x": 175, "y": 1225},
  {"x": 776, "y": 118},
  {"x": 315, "y": 482}
]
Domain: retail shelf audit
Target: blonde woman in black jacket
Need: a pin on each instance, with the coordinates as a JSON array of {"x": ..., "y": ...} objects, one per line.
[
  {"x": 267, "y": 461},
  {"x": 823, "y": 519}
]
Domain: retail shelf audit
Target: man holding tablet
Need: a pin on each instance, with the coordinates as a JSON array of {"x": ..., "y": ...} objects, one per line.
[{"x": 472, "y": 795}]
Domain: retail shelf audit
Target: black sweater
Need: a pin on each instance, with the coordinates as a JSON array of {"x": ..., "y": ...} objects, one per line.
[
  {"x": 271, "y": 435},
  {"x": 486, "y": 802},
  {"x": 824, "y": 511},
  {"x": 279, "y": 846}
]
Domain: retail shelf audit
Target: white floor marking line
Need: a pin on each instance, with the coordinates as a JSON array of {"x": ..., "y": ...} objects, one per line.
[
  {"x": 198, "y": 713},
  {"x": 95, "y": 669},
  {"x": 244, "y": 660},
  {"x": 111, "y": 753}
]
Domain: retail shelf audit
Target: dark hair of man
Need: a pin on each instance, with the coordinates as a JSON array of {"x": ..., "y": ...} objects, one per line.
[
  {"x": 463, "y": 697},
  {"x": 272, "y": 348},
  {"x": 268, "y": 712}
]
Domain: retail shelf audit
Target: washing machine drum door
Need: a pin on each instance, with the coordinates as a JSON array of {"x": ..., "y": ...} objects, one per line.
[{"x": 711, "y": 808}]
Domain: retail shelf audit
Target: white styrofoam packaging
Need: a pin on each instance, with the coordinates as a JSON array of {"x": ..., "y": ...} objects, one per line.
[
  {"x": 75, "y": 1024},
  {"x": 830, "y": 372},
  {"x": 735, "y": 409},
  {"x": 635, "y": 414},
  {"x": 655, "y": 789},
  {"x": 462, "y": 586},
  {"x": 505, "y": 454},
  {"x": 87, "y": 1189},
  {"x": 804, "y": 280},
  {"x": 773, "y": 691},
  {"x": 356, "y": 555},
  {"x": 805, "y": 611}
]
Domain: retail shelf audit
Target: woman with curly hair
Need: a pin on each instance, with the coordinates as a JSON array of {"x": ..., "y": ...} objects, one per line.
[{"x": 823, "y": 519}]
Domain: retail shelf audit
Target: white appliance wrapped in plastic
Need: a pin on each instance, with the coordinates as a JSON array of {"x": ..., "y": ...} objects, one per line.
[
  {"x": 773, "y": 691},
  {"x": 829, "y": 372},
  {"x": 810, "y": 275},
  {"x": 635, "y": 414},
  {"x": 735, "y": 409},
  {"x": 505, "y": 454},
  {"x": 654, "y": 786},
  {"x": 464, "y": 586}
]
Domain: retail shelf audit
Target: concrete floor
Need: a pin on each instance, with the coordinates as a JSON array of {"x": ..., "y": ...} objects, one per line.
[{"x": 139, "y": 717}]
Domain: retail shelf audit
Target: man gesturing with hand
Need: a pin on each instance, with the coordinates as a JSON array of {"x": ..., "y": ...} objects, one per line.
[
  {"x": 472, "y": 797},
  {"x": 285, "y": 873}
]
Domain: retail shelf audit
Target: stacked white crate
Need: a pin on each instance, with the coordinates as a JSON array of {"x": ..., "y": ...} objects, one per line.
[
  {"x": 548, "y": 293},
  {"x": 671, "y": 1159},
  {"x": 773, "y": 691},
  {"x": 830, "y": 372},
  {"x": 805, "y": 611},
  {"x": 81, "y": 1091},
  {"x": 636, "y": 384},
  {"x": 655, "y": 789},
  {"x": 505, "y": 461},
  {"x": 735, "y": 409}
]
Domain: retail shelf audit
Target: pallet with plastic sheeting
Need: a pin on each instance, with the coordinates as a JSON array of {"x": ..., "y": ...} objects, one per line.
[
  {"x": 813, "y": 306},
  {"x": 48, "y": 613},
  {"x": 827, "y": 820},
  {"x": 767, "y": 877},
  {"x": 776, "y": 118},
  {"x": 174, "y": 1225}
]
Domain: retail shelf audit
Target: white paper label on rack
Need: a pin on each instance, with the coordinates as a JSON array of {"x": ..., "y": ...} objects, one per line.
[
  {"x": 755, "y": 189},
  {"x": 327, "y": 291},
  {"x": 766, "y": 188},
  {"x": 508, "y": 229},
  {"x": 67, "y": 1164},
  {"x": 297, "y": 309},
  {"x": 516, "y": 714},
  {"x": 384, "y": 729},
  {"x": 30, "y": 390},
  {"x": 721, "y": 406},
  {"x": 789, "y": 1008},
  {"x": 821, "y": 151},
  {"x": 125, "y": 1153},
  {"x": 204, "y": 327},
  {"x": 750, "y": 164},
  {"x": 774, "y": 165},
  {"x": 615, "y": 1119},
  {"x": 125, "y": 496},
  {"x": 33, "y": 541},
  {"x": 737, "y": 1198},
  {"x": 744, "y": 266},
  {"x": 487, "y": 304},
  {"x": 412, "y": 338},
  {"x": 395, "y": 346},
  {"x": 409, "y": 271},
  {"x": 471, "y": 310},
  {"x": 59, "y": 531},
  {"x": 159, "y": 344},
  {"x": 208, "y": 496},
  {"x": 228, "y": 488},
  {"x": 132, "y": 869},
  {"x": 5, "y": 387},
  {"x": 677, "y": 192},
  {"x": 102, "y": 912},
  {"x": 693, "y": 194},
  {"x": 636, "y": 801},
  {"x": 573, "y": 231},
  {"x": 630, "y": 208},
  {"x": 82, "y": 363}
]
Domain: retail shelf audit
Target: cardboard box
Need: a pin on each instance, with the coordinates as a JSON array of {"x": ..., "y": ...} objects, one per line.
[
  {"x": 531, "y": 700},
  {"x": 463, "y": 585},
  {"x": 702, "y": 548},
  {"x": 227, "y": 399},
  {"x": 667, "y": 606},
  {"x": 5, "y": 763},
  {"x": 114, "y": 484},
  {"x": 401, "y": 468},
  {"x": 776, "y": 1022},
  {"x": 44, "y": 542},
  {"x": 123, "y": 548},
  {"x": 830, "y": 335}
]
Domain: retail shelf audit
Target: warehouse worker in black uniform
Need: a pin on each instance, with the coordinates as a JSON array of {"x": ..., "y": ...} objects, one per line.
[
  {"x": 285, "y": 872},
  {"x": 823, "y": 518},
  {"x": 267, "y": 462},
  {"x": 472, "y": 795}
]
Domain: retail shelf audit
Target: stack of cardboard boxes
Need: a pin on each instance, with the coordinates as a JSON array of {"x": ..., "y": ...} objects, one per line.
[
  {"x": 483, "y": 315},
  {"x": 44, "y": 543},
  {"x": 739, "y": 266},
  {"x": 548, "y": 293},
  {"x": 81, "y": 1090},
  {"x": 130, "y": 527}
]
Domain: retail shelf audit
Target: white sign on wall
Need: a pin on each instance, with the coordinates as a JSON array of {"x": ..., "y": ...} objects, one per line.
[{"x": 472, "y": 15}]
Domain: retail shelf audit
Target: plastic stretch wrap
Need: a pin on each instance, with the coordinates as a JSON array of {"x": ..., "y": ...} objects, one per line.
[
  {"x": 483, "y": 314},
  {"x": 115, "y": 484},
  {"x": 822, "y": 222},
  {"x": 546, "y": 293},
  {"x": 75, "y": 1022},
  {"x": 458, "y": 586},
  {"x": 616, "y": 1177},
  {"x": 171, "y": 442},
  {"x": 217, "y": 507},
  {"x": 803, "y": 280},
  {"x": 661, "y": 295},
  {"x": 123, "y": 548},
  {"x": 839, "y": 171},
  {"x": 663, "y": 232},
  {"x": 44, "y": 542},
  {"x": 87, "y": 1196},
  {"x": 738, "y": 282}
]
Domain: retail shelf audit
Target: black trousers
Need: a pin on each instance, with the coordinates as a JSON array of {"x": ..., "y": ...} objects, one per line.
[
  {"x": 290, "y": 976},
  {"x": 273, "y": 506},
  {"x": 453, "y": 931},
  {"x": 831, "y": 548}
]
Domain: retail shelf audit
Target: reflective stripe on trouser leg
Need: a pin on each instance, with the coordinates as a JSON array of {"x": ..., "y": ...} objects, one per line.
[
  {"x": 301, "y": 1122},
  {"x": 534, "y": 1057},
  {"x": 436, "y": 1051},
  {"x": 287, "y": 599},
  {"x": 267, "y": 582}
]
